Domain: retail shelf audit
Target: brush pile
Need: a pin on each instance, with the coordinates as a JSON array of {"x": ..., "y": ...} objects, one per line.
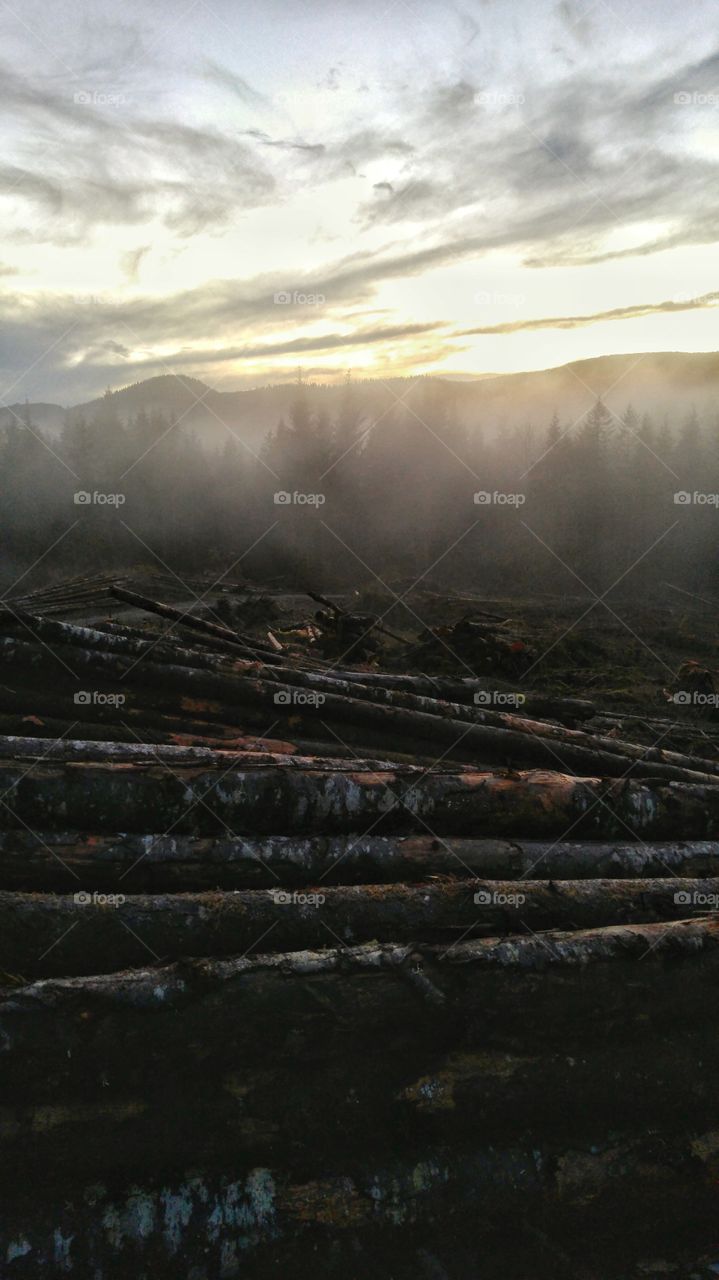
[{"x": 302, "y": 964}]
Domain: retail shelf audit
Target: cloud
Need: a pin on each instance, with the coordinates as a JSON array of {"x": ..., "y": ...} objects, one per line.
[
  {"x": 329, "y": 341},
  {"x": 236, "y": 84},
  {"x": 131, "y": 261},
  {"x": 285, "y": 144},
  {"x": 640, "y": 310},
  {"x": 96, "y": 161}
]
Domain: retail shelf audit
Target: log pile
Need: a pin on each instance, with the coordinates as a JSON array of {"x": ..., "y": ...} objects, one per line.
[{"x": 301, "y": 964}]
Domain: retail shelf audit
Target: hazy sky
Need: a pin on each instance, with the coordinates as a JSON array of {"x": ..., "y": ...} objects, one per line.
[{"x": 490, "y": 186}]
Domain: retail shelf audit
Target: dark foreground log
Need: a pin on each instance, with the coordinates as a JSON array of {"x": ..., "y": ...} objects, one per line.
[
  {"x": 541, "y": 1203},
  {"x": 54, "y": 860},
  {"x": 43, "y": 935},
  {"x": 267, "y": 798},
  {"x": 416, "y": 1092},
  {"x": 553, "y": 989}
]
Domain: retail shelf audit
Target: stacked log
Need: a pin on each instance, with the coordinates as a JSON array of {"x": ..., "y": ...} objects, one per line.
[{"x": 301, "y": 965}]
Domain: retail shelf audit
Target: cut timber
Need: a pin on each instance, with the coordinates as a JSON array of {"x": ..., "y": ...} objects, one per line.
[
  {"x": 414, "y": 1090},
  {"x": 356, "y": 719},
  {"x": 45, "y": 935},
  {"x": 236, "y": 639},
  {"x": 531, "y": 749},
  {"x": 550, "y": 989},
  {"x": 65, "y": 860},
  {"x": 448, "y": 689},
  {"x": 93, "y": 751},
  {"x": 540, "y": 1200},
  {"x": 195, "y": 800}
]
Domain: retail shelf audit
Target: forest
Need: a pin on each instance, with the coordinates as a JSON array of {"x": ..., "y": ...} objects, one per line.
[{"x": 548, "y": 507}]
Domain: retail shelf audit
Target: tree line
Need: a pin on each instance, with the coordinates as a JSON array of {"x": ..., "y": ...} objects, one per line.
[{"x": 554, "y": 507}]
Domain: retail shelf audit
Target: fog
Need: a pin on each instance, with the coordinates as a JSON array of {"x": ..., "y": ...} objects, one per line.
[{"x": 623, "y": 501}]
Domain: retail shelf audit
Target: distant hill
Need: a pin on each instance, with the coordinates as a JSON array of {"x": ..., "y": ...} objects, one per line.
[
  {"x": 48, "y": 417},
  {"x": 667, "y": 382}
]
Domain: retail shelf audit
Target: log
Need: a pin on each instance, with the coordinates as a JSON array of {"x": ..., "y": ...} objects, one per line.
[
  {"x": 53, "y": 860},
  {"x": 452, "y": 689},
  {"x": 414, "y": 1092},
  {"x": 81, "y": 751},
  {"x": 523, "y": 753},
  {"x": 161, "y": 731},
  {"x": 45, "y": 935},
  {"x": 460, "y": 739},
  {"x": 265, "y": 799},
  {"x": 542, "y": 1201},
  {"x": 60, "y": 1036},
  {"x": 85, "y": 637},
  {"x": 145, "y": 716},
  {"x": 235, "y": 639},
  {"x": 566, "y": 738}
]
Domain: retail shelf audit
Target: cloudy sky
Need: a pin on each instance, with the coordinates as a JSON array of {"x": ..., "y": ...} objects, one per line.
[{"x": 238, "y": 190}]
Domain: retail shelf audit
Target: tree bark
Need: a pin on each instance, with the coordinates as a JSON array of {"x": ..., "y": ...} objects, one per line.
[
  {"x": 265, "y": 799},
  {"x": 45, "y": 935},
  {"x": 460, "y": 739},
  {"x": 553, "y": 989},
  {"x": 65, "y": 860},
  {"x": 235, "y": 639}
]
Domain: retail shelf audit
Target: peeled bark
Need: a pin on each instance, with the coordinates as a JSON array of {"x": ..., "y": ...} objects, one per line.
[
  {"x": 356, "y": 718},
  {"x": 70, "y": 750},
  {"x": 43, "y": 935},
  {"x": 324, "y": 683},
  {"x": 265, "y": 799}
]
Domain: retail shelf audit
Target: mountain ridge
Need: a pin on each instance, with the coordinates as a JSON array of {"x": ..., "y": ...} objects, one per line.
[{"x": 657, "y": 382}]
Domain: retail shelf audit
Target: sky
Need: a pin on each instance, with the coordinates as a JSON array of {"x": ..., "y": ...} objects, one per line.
[{"x": 239, "y": 191}]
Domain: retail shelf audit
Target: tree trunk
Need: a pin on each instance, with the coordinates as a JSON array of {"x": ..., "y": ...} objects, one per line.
[
  {"x": 265, "y": 799},
  {"x": 44, "y": 935},
  {"x": 460, "y": 739},
  {"x": 64, "y": 860},
  {"x": 553, "y": 989}
]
